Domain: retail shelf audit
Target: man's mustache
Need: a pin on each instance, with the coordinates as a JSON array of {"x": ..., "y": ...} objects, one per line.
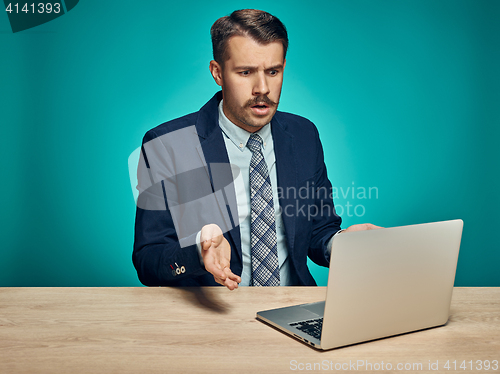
[{"x": 259, "y": 100}]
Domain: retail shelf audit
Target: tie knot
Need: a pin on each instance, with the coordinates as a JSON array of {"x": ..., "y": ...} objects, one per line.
[{"x": 254, "y": 143}]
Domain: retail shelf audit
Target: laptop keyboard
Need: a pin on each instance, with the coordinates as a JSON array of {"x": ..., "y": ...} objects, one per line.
[{"x": 311, "y": 327}]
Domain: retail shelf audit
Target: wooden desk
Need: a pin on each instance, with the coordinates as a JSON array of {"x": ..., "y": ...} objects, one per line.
[{"x": 213, "y": 330}]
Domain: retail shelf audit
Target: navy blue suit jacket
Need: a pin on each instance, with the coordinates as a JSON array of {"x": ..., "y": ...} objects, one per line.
[{"x": 308, "y": 214}]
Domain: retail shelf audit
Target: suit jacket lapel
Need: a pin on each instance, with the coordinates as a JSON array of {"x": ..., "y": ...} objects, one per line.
[
  {"x": 213, "y": 150},
  {"x": 286, "y": 171}
]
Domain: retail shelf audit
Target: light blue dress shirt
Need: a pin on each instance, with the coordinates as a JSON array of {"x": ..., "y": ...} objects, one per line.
[{"x": 239, "y": 155}]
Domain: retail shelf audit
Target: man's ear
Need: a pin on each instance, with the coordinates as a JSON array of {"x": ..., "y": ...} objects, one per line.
[
  {"x": 284, "y": 63},
  {"x": 216, "y": 71}
]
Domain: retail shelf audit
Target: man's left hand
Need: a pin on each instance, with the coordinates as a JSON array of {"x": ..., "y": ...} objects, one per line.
[{"x": 362, "y": 227}]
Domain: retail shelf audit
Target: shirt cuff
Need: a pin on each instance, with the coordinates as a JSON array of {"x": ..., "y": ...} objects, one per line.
[
  {"x": 198, "y": 246},
  {"x": 330, "y": 243}
]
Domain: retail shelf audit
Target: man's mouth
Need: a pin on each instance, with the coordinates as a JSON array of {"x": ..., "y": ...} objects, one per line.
[{"x": 260, "y": 109}]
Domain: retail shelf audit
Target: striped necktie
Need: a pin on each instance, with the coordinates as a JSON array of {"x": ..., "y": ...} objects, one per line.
[{"x": 265, "y": 265}]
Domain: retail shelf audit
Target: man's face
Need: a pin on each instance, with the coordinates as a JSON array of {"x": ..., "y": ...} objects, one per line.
[{"x": 251, "y": 81}]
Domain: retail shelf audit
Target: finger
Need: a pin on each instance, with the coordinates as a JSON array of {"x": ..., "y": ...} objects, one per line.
[
  {"x": 362, "y": 227},
  {"x": 226, "y": 282},
  {"x": 205, "y": 245},
  {"x": 230, "y": 284},
  {"x": 225, "y": 264},
  {"x": 230, "y": 275}
]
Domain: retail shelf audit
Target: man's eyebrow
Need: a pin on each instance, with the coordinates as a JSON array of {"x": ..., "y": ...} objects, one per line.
[
  {"x": 275, "y": 67},
  {"x": 245, "y": 68}
]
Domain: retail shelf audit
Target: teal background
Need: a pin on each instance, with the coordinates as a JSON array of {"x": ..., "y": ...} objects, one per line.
[{"x": 405, "y": 95}]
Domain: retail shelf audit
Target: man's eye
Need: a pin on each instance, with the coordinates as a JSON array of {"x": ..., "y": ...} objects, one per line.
[
  {"x": 244, "y": 73},
  {"x": 273, "y": 72}
]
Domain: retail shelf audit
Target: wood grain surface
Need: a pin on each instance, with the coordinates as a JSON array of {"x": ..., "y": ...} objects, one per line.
[{"x": 213, "y": 330}]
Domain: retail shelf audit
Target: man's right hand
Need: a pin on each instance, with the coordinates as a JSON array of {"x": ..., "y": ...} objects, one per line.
[{"x": 216, "y": 254}]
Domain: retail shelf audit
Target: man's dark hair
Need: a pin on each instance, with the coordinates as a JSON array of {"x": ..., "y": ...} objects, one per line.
[{"x": 261, "y": 26}]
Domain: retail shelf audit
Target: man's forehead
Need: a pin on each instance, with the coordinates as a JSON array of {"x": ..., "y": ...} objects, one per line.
[{"x": 244, "y": 50}]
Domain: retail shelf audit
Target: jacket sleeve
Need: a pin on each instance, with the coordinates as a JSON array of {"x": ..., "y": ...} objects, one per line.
[
  {"x": 158, "y": 256},
  {"x": 327, "y": 222}
]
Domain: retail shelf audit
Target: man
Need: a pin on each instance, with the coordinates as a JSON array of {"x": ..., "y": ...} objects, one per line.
[{"x": 274, "y": 228}]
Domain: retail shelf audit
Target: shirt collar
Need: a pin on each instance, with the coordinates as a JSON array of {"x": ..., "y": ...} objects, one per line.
[{"x": 239, "y": 136}]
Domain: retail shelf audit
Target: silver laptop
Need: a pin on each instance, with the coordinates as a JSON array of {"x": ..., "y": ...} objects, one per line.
[{"x": 381, "y": 283}]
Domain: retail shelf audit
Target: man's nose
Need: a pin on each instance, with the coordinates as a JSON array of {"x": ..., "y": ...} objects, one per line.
[{"x": 261, "y": 87}]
